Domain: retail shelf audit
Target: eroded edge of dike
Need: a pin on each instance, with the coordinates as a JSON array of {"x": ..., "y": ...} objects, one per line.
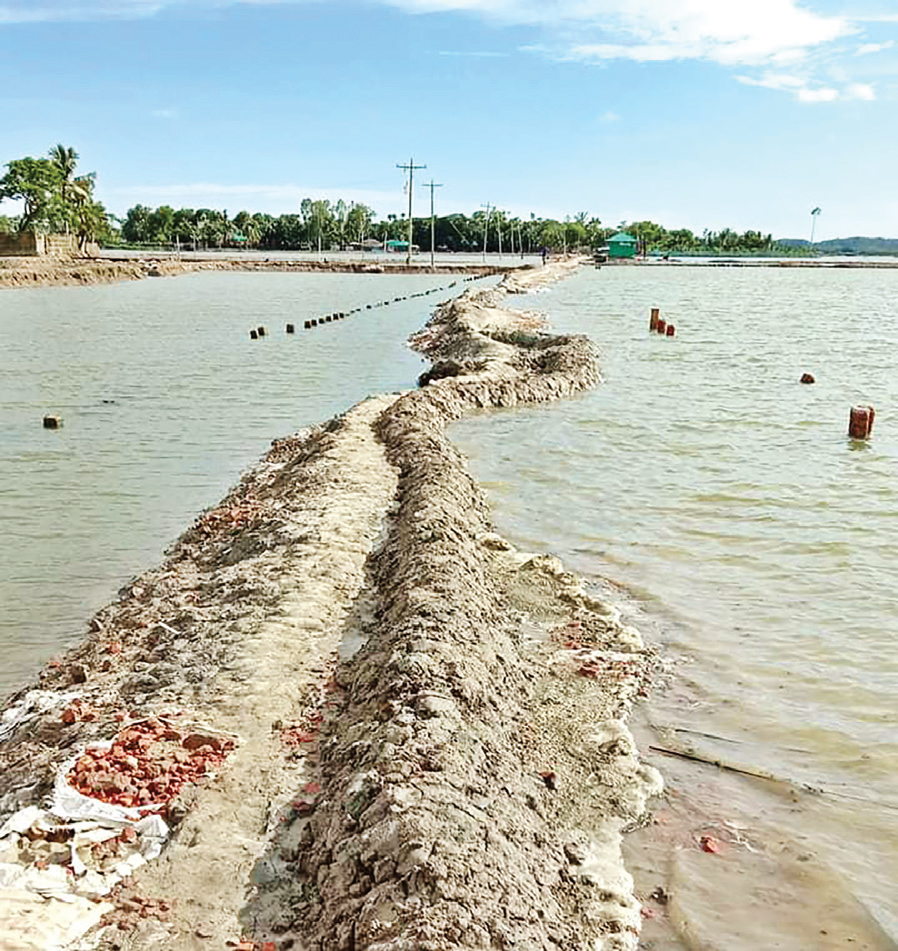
[{"x": 463, "y": 778}]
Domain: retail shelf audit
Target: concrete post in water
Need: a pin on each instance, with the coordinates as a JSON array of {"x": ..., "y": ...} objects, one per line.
[
  {"x": 261, "y": 331},
  {"x": 860, "y": 422},
  {"x": 291, "y": 329},
  {"x": 807, "y": 378},
  {"x": 253, "y": 335},
  {"x": 671, "y": 330},
  {"x": 661, "y": 327},
  {"x": 653, "y": 320},
  {"x": 308, "y": 324},
  {"x": 52, "y": 422}
]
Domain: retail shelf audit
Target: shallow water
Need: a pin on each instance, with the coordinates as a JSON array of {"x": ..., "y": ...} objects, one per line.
[
  {"x": 758, "y": 543},
  {"x": 164, "y": 400}
]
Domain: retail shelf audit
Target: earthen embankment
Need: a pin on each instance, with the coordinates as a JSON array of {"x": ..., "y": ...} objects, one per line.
[{"x": 431, "y": 750}]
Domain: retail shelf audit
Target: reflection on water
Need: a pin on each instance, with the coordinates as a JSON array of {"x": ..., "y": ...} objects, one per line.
[
  {"x": 761, "y": 542},
  {"x": 164, "y": 400}
]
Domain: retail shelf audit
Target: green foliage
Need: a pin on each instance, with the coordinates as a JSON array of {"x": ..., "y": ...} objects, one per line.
[
  {"x": 653, "y": 238},
  {"x": 54, "y": 198},
  {"x": 341, "y": 226},
  {"x": 37, "y": 183}
]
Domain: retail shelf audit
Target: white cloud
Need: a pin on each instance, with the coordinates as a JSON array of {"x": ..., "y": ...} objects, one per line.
[
  {"x": 609, "y": 116},
  {"x": 860, "y": 91},
  {"x": 865, "y": 49},
  {"x": 164, "y": 113},
  {"x": 822, "y": 94},
  {"x": 725, "y": 31},
  {"x": 792, "y": 36},
  {"x": 40, "y": 11},
  {"x": 774, "y": 81},
  {"x": 805, "y": 91}
]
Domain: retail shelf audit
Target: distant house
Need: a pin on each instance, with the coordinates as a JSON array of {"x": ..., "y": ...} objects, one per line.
[
  {"x": 394, "y": 245},
  {"x": 622, "y": 245}
]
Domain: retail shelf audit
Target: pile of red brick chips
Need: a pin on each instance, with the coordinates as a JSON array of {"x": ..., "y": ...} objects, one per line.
[{"x": 147, "y": 764}]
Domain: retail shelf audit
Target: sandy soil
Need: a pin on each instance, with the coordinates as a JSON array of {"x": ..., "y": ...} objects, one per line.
[
  {"x": 48, "y": 272},
  {"x": 431, "y": 749}
]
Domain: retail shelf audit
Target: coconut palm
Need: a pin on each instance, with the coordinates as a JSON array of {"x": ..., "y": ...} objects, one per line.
[{"x": 65, "y": 161}]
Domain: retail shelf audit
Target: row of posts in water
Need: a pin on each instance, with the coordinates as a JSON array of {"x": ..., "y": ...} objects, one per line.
[
  {"x": 54, "y": 421},
  {"x": 262, "y": 331},
  {"x": 860, "y": 419}
]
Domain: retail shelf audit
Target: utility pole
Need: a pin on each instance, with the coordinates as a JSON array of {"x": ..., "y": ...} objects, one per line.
[
  {"x": 410, "y": 168},
  {"x": 486, "y": 227},
  {"x": 431, "y": 185}
]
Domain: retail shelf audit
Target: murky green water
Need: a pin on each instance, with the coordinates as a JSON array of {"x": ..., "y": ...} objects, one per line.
[
  {"x": 759, "y": 543},
  {"x": 164, "y": 400}
]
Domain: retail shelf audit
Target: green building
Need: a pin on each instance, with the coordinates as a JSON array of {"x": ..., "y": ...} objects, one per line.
[{"x": 622, "y": 245}]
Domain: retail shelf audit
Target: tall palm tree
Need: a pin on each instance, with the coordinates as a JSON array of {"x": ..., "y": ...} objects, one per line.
[{"x": 65, "y": 161}]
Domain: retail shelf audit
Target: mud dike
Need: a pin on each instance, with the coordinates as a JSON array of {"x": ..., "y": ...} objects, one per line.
[{"x": 430, "y": 749}]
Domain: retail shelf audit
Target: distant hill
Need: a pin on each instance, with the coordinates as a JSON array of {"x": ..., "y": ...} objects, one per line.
[{"x": 855, "y": 245}]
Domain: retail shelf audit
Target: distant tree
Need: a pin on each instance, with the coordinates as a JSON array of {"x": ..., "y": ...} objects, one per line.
[
  {"x": 160, "y": 225},
  {"x": 358, "y": 221},
  {"x": 136, "y": 227},
  {"x": 36, "y": 182}
]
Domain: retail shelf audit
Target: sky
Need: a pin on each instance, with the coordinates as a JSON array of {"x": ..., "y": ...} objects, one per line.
[{"x": 692, "y": 113}]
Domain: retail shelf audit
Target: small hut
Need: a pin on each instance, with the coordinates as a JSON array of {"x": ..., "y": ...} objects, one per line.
[{"x": 622, "y": 245}]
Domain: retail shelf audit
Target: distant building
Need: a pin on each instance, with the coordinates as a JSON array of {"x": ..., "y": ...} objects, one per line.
[
  {"x": 622, "y": 245},
  {"x": 394, "y": 245}
]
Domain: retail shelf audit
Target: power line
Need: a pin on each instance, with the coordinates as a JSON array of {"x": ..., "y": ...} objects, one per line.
[
  {"x": 431, "y": 185},
  {"x": 410, "y": 168}
]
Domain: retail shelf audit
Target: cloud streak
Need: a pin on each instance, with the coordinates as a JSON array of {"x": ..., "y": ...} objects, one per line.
[
  {"x": 754, "y": 35},
  {"x": 806, "y": 91}
]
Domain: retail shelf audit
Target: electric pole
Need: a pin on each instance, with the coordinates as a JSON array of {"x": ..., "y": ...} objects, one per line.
[
  {"x": 431, "y": 185},
  {"x": 486, "y": 227},
  {"x": 410, "y": 168}
]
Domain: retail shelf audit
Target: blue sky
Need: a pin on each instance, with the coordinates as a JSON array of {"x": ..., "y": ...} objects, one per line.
[{"x": 695, "y": 113}]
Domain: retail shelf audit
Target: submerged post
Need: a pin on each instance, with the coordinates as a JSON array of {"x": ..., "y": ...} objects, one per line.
[
  {"x": 860, "y": 422},
  {"x": 655, "y": 317},
  {"x": 661, "y": 326},
  {"x": 52, "y": 422}
]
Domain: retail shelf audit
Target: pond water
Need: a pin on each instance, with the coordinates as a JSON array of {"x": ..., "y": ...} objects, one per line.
[
  {"x": 756, "y": 542},
  {"x": 164, "y": 401}
]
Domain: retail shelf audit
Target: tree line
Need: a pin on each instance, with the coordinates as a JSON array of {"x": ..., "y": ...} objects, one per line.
[
  {"x": 341, "y": 225},
  {"x": 56, "y": 198}
]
